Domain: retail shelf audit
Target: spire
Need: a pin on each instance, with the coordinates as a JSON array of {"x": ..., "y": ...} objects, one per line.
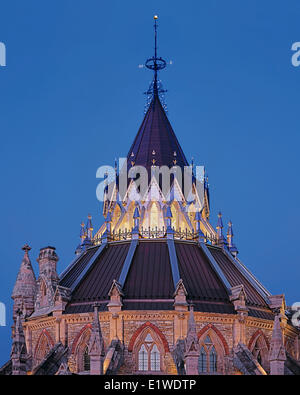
[
  {"x": 155, "y": 64},
  {"x": 155, "y": 142},
  {"x": 82, "y": 232},
  {"x": 82, "y": 236},
  {"x": 96, "y": 346},
  {"x": 231, "y": 246},
  {"x": 89, "y": 227},
  {"x": 191, "y": 345},
  {"x": 18, "y": 350},
  {"x": 136, "y": 217},
  {"x": 221, "y": 238},
  {"x": 192, "y": 332},
  {"x": 86, "y": 234},
  {"x": 277, "y": 355},
  {"x": 198, "y": 226},
  {"x": 169, "y": 217},
  {"x": 24, "y": 291}
]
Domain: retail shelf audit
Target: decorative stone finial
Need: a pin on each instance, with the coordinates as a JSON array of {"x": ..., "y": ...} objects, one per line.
[
  {"x": 191, "y": 345},
  {"x": 96, "y": 345},
  {"x": 277, "y": 354}
]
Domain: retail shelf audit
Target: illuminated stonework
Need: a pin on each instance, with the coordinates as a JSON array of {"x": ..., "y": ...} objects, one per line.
[{"x": 157, "y": 289}]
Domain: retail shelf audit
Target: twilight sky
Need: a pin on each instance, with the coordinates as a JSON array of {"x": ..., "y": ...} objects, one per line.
[{"x": 72, "y": 100}]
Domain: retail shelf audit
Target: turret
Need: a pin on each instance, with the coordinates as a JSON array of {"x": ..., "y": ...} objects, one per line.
[
  {"x": 25, "y": 288},
  {"x": 19, "y": 355},
  {"x": 48, "y": 278}
]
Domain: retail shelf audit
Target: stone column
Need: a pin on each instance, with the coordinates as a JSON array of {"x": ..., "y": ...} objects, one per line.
[
  {"x": 192, "y": 353},
  {"x": 238, "y": 298},
  {"x": 19, "y": 354},
  {"x": 57, "y": 329},
  {"x": 181, "y": 306},
  {"x": 96, "y": 346},
  {"x": 277, "y": 355}
]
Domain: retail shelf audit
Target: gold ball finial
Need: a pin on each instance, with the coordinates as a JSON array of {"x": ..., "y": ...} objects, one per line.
[{"x": 155, "y": 16}]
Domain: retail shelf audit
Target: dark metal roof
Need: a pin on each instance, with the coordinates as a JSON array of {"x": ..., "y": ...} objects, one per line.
[
  {"x": 150, "y": 273},
  {"x": 198, "y": 276},
  {"x": 68, "y": 279},
  {"x": 149, "y": 283},
  {"x": 156, "y": 134},
  {"x": 235, "y": 277},
  {"x": 97, "y": 282}
]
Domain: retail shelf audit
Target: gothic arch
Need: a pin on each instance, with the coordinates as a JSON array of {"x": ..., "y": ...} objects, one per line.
[
  {"x": 155, "y": 329},
  {"x": 43, "y": 346},
  {"x": 219, "y": 345},
  {"x": 209, "y": 328},
  {"x": 80, "y": 347},
  {"x": 254, "y": 337},
  {"x": 259, "y": 346},
  {"x": 148, "y": 346},
  {"x": 79, "y": 334}
]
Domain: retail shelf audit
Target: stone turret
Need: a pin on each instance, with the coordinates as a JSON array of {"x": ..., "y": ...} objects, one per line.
[
  {"x": 191, "y": 355},
  {"x": 18, "y": 351},
  {"x": 25, "y": 288},
  {"x": 277, "y": 355},
  {"x": 96, "y": 346},
  {"x": 48, "y": 278}
]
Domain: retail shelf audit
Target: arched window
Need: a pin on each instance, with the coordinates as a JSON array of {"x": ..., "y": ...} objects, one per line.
[
  {"x": 43, "y": 347},
  {"x": 86, "y": 360},
  {"x": 149, "y": 356},
  {"x": 213, "y": 360},
  {"x": 208, "y": 357},
  {"x": 143, "y": 359},
  {"x": 260, "y": 351},
  {"x": 155, "y": 359},
  {"x": 81, "y": 352},
  {"x": 203, "y": 361}
]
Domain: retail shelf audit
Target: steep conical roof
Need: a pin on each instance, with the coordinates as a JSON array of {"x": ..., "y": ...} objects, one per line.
[
  {"x": 25, "y": 285},
  {"x": 156, "y": 143}
]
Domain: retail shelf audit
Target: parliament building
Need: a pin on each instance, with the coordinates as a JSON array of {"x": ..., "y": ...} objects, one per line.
[{"x": 157, "y": 289}]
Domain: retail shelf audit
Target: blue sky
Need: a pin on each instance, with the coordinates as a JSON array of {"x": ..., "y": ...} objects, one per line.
[{"x": 72, "y": 100}]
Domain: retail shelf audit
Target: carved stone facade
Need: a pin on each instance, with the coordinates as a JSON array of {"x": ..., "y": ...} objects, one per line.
[{"x": 161, "y": 326}]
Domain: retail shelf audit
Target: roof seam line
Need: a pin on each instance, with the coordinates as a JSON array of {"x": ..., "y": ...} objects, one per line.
[
  {"x": 127, "y": 263},
  {"x": 215, "y": 266},
  {"x": 88, "y": 267},
  {"x": 174, "y": 261}
]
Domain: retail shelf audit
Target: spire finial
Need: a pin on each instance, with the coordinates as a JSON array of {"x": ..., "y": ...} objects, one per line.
[
  {"x": 26, "y": 248},
  {"x": 221, "y": 238},
  {"x": 231, "y": 246},
  {"x": 156, "y": 64}
]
